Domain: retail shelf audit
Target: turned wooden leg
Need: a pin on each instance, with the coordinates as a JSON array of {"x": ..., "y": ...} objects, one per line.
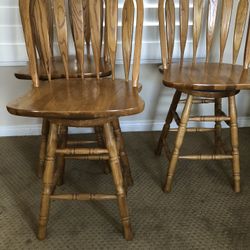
[
  {"x": 234, "y": 142},
  {"x": 47, "y": 181},
  {"x": 118, "y": 180},
  {"x": 122, "y": 153},
  {"x": 178, "y": 142},
  {"x": 217, "y": 127},
  {"x": 169, "y": 118},
  {"x": 42, "y": 153},
  {"x": 60, "y": 160},
  {"x": 101, "y": 143}
]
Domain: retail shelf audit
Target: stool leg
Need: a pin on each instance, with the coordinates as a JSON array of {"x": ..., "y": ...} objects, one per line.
[
  {"x": 168, "y": 121},
  {"x": 235, "y": 143},
  {"x": 122, "y": 152},
  {"x": 60, "y": 160},
  {"x": 42, "y": 153},
  {"x": 118, "y": 180},
  {"x": 217, "y": 127},
  {"x": 101, "y": 143},
  {"x": 178, "y": 143},
  {"x": 47, "y": 182}
]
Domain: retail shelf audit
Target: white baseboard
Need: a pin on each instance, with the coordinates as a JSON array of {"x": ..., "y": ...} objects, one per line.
[{"x": 127, "y": 126}]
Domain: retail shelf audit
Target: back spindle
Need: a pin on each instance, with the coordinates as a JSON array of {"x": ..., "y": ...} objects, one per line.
[
  {"x": 127, "y": 34},
  {"x": 240, "y": 22},
  {"x": 226, "y": 13},
  {"x": 247, "y": 47},
  {"x": 50, "y": 22},
  {"x": 211, "y": 18},
  {"x": 112, "y": 25},
  {"x": 95, "y": 18},
  {"x": 76, "y": 10},
  {"x": 105, "y": 50},
  {"x": 184, "y": 15},
  {"x": 42, "y": 30},
  {"x": 170, "y": 26},
  {"x": 198, "y": 10},
  {"x": 87, "y": 34},
  {"x": 163, "y": 39},
  {"x": 61, "y": 29},
  {"x": 138, "y": 42},
  {"x": 24, "y": 8}
]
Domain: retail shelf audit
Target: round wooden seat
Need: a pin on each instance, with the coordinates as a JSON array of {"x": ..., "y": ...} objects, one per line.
[
  {"x": 58, "y": 70},
  {"x": 79, "y": 98},
  {"x": 206, "y": 77}
]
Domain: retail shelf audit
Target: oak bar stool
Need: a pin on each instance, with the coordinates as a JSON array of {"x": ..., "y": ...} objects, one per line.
[
  {"x": 89, "y": 71},
  {"x": 212, "y": 80},
  {"x": 80, "y": 102}
]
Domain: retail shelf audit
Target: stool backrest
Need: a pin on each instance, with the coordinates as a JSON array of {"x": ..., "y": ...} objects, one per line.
[
  {"x": 222, "y": 19},
  {"x": 37, "y": 18}
]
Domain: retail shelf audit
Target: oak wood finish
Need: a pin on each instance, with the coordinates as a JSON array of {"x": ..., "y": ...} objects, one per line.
[
  {"x": 207, "y": 80},
  {"x": 211, "y": 18},
  {"x": 239, "y": 27},
  {"x": 65, "y": 66},
  {"x": 170, "y": 27},
  {"x": 197, "y": 22},
  {"x": 184, "y": 15},
  {"x": 77, "y": 17},
  {"x": 57, "y": 70},
  {"x": 127, "y": 34},
  {"x": 203, "y": 76},
  {"x": 162, "y": 33},
  {"x": 78, "y": 99},
  {"x": 57, "y": 67},
  {"x": 81, "y": 102},
  {"x": 227, "y": 6}
]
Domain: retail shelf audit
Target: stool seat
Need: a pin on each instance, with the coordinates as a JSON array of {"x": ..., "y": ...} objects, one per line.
[
  {"x": 58, "y": 70},
  {"x": 79, "y": 99},
  {"x": 206, "y": 77}
]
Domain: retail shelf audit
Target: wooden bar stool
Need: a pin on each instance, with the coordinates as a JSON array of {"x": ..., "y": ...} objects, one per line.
[
  {"x": 204, "y": 81},
  {"x": 81, "y": 102},
  {"x": 89, "y": 70}
]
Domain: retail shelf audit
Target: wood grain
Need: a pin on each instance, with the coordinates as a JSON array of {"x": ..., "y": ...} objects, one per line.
[
  {"x": 50, "y": 23},
  {"x": 58, "y": 71},
  {"x": 138, "y": 43},
  {"x": 62, "y": 32},
  {"x": 76, "y": 11},
  {"x": 106, "y": 49},
  {"x": 95, "y": 29},
  {"x": 87, "y": 32},
  {"x": 203, "y": 76},
  {"x": 226, "y": 12},
  {"x": 112, "y": 26},
  {"x": 211, "y": 18},
  {"x": 162, "y": 32},
  {"x": 184, "y": 16},
  {"x": 240, "y": 22},
  {"x": 77, "y": 98},
  {"x": 247, "y": 48},
  {"x": 24, "y": 8},
  {"x": 127, "y": 35},
  {"x": 198, "y": 10},
  {"x": 41, "y": 24},
  {"x": 170, "y": 26}
]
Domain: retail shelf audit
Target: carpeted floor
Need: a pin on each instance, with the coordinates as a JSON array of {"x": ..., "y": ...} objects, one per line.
[{"x": 202, "y": 212}]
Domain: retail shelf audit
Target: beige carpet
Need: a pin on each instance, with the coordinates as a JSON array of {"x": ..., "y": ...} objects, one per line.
[{"x": 202, "y": 212}]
